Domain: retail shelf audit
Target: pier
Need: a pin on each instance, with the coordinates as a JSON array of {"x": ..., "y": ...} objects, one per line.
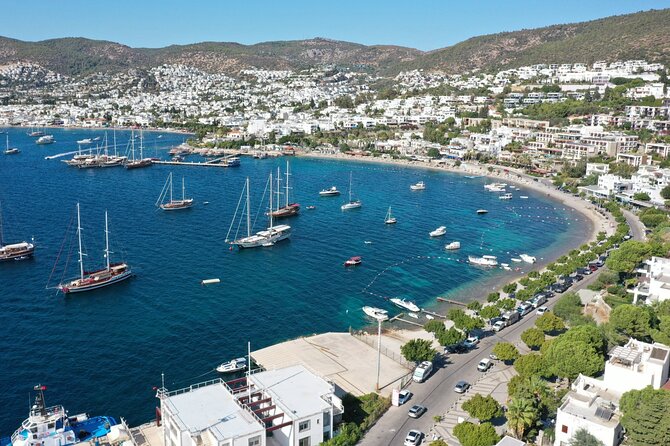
[
  {"x": 400, "y": 318},
  {"x": 217, "y": 162},
  {"x": 449, "y": 301}
]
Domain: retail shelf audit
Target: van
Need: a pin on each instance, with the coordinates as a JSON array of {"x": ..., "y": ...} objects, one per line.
[
  {"x": 511, "y": 317},
  {"x": 484, "y": 365},
  {"x": 422, "y": 371}
]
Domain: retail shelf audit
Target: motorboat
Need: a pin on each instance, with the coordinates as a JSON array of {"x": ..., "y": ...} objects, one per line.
[
  {"x": 404, "y": 304},
  {"x": 390, "y": 219},
  {"x": 528, "y": 259},
  {"x": 331, "y": 192},
  {"x": 495, "y": 187},
  {"x": 506, "y": 266},
  {"x": 453, "y": 246},
  {"x": 418, "y": 186},
  {"x": 506, "y": 196},
  {"x": 523, "y": 197},
  {"x": 353, "y": 261},
  {"x": 483, "y": 260},
  {"x": 310, "y": 208},
  {"x": 438, "y": 232},
  {"x": 234, "y": 365},
  {"x": 85, "y": 141},
  {"x": 515, "y": 260},
  {"x": 482, "y": 211},
  {"x": 376, "y": 313},
  {"x": 46, "y": 139},
  {"x": 414, "y": 315}
]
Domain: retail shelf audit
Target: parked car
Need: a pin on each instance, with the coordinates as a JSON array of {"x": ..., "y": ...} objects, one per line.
[
  {"x": 524, "y": 309},
  {"x": 413, "y": 438},
  {"x": 499, "y": 325},
  {"x": 578, "y": 277},
  {"x": 484, "y": 364},
  {"x": 455, "y": 348},
  {"x": 422, "y": 371},
  {"x": 404, "y": 396},
  {"x": 541, "y": 310},
  {"x": 471, "y": 342},
  {"x": 593, "y": 267},
  {"x": 461, "y": 387},
  {"x": 539, "y": 300},
  {"x": 584, "y": 271},
  {"x": 416, "y": 411}
]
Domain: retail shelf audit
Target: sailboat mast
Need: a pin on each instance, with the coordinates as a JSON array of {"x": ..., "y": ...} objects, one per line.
[
  {"x": 106, "y": 240},
  {"x": 170, "y": 187},
  {"x": 278, "y": 187},
  {"x": 81, "y": 254},
  {"x": 114, "y": 130},
  {"x": 248, "y": 211},
  {"x": 183, "y": 188},
  {"x": 270, "y": 198},
  {"x": 141, "y": 144},
  {"x": 349, "y": 187},
  {"x": 287, "y": 174},
  {"x": 132, "y": 142}
]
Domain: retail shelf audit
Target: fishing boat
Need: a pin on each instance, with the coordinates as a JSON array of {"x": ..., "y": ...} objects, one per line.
[
  {"x": 453, "y": 246},
  {"x": 352, "y": 204},
  {"x": 46, "y": 139},
  {"x": 14, "y": 251},
  {"x": 404, "y": 304},
  {"x": 137, "y": 163},
  {"x": 289, "y": 209},
  {"x": 483, "y": 260},
  {"x": 172, "y": 204},
  {"x": 482, "y": 211},
  {"x": 376, "y": 313},
  {"x": 53, "y": 426},
  {"x": 506, "y": 196},
  {"x": 390, "y": 219},
  {"x": 439, "y": 232},
  {"x": 353, "y": 261},
  {"x": 330, "y": 192},
  {"x": 528, "y": 259},
  {"x": 234, "y": 365},
  {"x": 418, "y": 186},
  {"x": 90, "y": 280},
  {"x": 265, "y": 238},
  {"x": 85, "y": 141},
  {"x": 10, "y": 150}
]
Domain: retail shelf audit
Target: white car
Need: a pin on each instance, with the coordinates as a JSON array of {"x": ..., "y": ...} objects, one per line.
[
  {"x": 484, "y": 364},
  {"x": 404, "y": 396},
  {"x": 413, "y": 438},
  {"x": 471, "y": 342},
  {"x": 499, "y": 325},
  {"x": 541, "y": 310}
]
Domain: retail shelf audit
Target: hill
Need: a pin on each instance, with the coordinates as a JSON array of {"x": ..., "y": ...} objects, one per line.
[{"x": 643, "y": 35}]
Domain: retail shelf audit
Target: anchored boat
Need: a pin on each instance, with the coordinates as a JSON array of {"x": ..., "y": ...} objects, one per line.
[
  {"x": 14, "y": 251},
  {"x": 405, "y": 304},
  {"x": 331, "y": 192},
  {"x": 376, "y": 313},
  {"x": 418, "y": 186},
  {"x": 439, "y": 232},
  {"x": 483, "y": 260},
  {"x": 352, "y": 204},
  {"x": 390, "y": 219},
  {"x": 289, "y": 209},
  {"x": 173, "y": 205},
  {"x": 234, "y": 365}
]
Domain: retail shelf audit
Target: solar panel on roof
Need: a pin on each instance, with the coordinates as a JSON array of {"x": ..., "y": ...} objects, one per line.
[{"x": 604, "y": 412}]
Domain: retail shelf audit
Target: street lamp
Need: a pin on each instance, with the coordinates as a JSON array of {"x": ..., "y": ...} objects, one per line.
[{"x": 380, "y": 318}]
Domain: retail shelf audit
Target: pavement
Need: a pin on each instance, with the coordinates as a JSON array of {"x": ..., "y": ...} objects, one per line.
[
  {"x": 437, "y": 393},
  {"x": 637, "y": 228}
]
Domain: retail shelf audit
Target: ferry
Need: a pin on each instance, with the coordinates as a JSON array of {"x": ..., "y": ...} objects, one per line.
[
  {"x": 439, "y": 232},
  {"x": 353, "y": 261},
  {"x": 331, "y": 192},
  {"x": 52, "y": 426},
  {"x": 418, "y": 186},
  {"x": 483, "y": 260},
  {"x": 376, "y": 313},
  {"x": 16, "y": 251}
]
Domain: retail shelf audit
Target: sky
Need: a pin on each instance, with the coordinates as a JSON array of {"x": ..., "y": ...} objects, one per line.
[{"x": 422, "y": 24}]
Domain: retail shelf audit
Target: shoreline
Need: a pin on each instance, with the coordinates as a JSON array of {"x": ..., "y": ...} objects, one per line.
[
  {"x": 479, "y": 290},
  {"x": 100, "y": 129}
]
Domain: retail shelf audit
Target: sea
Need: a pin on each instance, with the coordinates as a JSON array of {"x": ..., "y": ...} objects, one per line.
[{"x": 103, "y": 352}]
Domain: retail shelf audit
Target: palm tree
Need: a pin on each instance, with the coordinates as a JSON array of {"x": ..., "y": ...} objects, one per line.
[{"x": 521, "y": 414}]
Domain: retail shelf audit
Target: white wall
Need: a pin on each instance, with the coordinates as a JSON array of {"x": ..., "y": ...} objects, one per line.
[{"x": 609, "y": 436}]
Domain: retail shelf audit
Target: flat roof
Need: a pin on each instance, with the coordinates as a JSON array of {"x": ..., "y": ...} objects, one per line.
[
  {"x": 296, "y": 388},
  {"x": 212, "y": 407}
]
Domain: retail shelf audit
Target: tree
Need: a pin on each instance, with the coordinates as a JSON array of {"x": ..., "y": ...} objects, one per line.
[
  {"x": 567, "y": 358},
  {"x": 510, "y": 287},
  {"x": 642, "y": 196},
  {"x": 521, "y": 414},
  {"x": 628, "y": 256},
  {"x": 665, "y": 192},
  {"x": 533, "y": 338},
  {"x": 505, "y": 351},
  {"x": 434, "y": 326},
  {"x": 549, "y": 323},
  {"x": 418, "y": 350},
  {"x": 631, "y": 321},
  {"x": 489, "y": 312},
  {"x": 493, "y": 297},
  {"x": 434, "y": 152},
  {"x": 482, "y": 408},
  {"x": 569, "y": 308},
  {"x": 583, "y": 438},
  {"x": 438, "y": 443},
  {"x": 475, "y": 305},
  {"x": 469, "y": 434},
  {"x": 531, "y": 364},
  {"x": 450, "y": 337},
  {"x": 645, "y": 416},
  {"x": 506, "y": 304},
  {"x": 590, "y": 334}
]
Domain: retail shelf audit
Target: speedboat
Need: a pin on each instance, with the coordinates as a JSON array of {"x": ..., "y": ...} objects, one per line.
[
  {"x": 405, "y": 304},
  {"x": 482, "y": 211},
  {"x": 46, "y": 139},
  {"x": 506, "y": 196},
  {"x": 453, "y": 245},
  {"x": 52, "y": 426},
  {"x": 528, "y": 259},
  {"x": 329, "y": 192},
  {"x": 523, "y": 197},
  {"x": 515, "y": 260},
  {"x": 234, "y": 365},
  {"x": 483, "y": 260},
  {"x": 438, "y": 232},
  {"x": 85, "y": 141},
  {"x": 418, "y": 186},
  {"x": 310, "y": 208},
  {"x": 376, "y": 313},
  {"x": 353, "y": 261}
]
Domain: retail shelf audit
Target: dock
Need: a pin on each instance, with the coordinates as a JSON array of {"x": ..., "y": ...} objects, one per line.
[
  {"x": 449, "y": 301},
  {"x": 442, "y": 316},
  {"x": 211, "y": 163},
  {"x": 400, "y": 318}
]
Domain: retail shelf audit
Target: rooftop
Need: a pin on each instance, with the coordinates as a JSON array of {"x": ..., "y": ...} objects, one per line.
[
  {"x": 589, "y": 399},
  {"x": 637, "y": 353}
]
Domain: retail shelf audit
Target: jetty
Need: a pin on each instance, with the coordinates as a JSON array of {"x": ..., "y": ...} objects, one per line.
[
  {"x": 216, "y": 162},
  {"x": 449, "y": 301}
]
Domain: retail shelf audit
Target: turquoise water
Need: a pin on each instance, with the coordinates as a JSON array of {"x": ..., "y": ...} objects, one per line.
[{"x": 102, "y": 352}]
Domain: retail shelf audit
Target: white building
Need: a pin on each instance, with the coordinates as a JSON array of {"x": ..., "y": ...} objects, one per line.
[
  {"x": 654, "y": 281},
  {"x": 597, "y": 168},
  {"x": 637, "y": 365}
]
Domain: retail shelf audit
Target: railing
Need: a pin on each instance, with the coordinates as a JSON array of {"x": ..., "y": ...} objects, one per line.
[{"x": 372, "y": 342}]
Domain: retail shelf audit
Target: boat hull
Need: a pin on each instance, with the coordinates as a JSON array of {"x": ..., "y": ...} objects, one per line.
[
  {"x": 265, "y": 238},
  {"x": 23, "y": 253},
  {"x": 177, "y": 205},
  {"x": 287, "y": 211},
  {"x": 94, "y": 286}
]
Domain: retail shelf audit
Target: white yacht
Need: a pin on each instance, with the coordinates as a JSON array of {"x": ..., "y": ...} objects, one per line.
[
  {"x": 453, "y": 246},
  {"x": 352, "y": 204},
  {"x": 418, "y": 186},
  {"x": 483, "y": 260},
  {"x": 330, "y": 192},
  {"x": 439, "y": 232},
  {"x": 46, "y": 139},
  {"x": 390, "y": 219},
  {"x": 376, "y": 313},
  {"x": 495, "y": 187},
  {"x": 482, "y": 211},
  {"x": 405, "y": 304},
  {"x": 506, "y": 196},
  {"x": 528, "y": 259},
  {"x": 234, "y": 365}
]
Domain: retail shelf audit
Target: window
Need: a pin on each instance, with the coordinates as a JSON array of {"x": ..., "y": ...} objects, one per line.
[
  {"x": 304, "y": 441},
  {"x": 303, "y": 426},
  {"x": 326, "y": 419},
  {"x": 564, "y": 429},
  {"x": 255, "y": 441}
]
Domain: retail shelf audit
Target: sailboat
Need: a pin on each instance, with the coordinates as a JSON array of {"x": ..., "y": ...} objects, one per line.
[
  {"x": 268, "y": 237},
  {"x": 35, "y": 133},
  {"x": 90, "y": 280},
  {"x": 173, "y": 205},
  {"x": 390, "y": 219},
  {"x": 352, "y": 204},
  {"x": 10, "y": 151},
  {"x": 137, "y": 163},
  {"x": 14, "y": 251},
  {"x": 289, "y": 209}
]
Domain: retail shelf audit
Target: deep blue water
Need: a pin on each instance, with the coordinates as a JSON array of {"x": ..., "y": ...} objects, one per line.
[{"x": 102, "y": 352}]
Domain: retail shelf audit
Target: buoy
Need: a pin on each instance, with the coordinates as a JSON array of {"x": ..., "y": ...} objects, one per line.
[{"x": 210, "y": 281}]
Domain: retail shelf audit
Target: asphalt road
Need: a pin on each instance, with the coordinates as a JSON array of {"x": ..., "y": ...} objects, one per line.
[
  {"x": 636, "y": 226},
  {"x": 437, "y": 392}
]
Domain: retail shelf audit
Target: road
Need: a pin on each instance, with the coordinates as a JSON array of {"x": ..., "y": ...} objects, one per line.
[
  {"x": 637, "y": 228},
  {"x": 437, "y": 392}
]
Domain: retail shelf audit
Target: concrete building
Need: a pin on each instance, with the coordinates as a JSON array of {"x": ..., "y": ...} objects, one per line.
[
  {"x": 637, "y": 365},
  {"x": 597, "y": 168},
  {"x": 654, "y": 281}
]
